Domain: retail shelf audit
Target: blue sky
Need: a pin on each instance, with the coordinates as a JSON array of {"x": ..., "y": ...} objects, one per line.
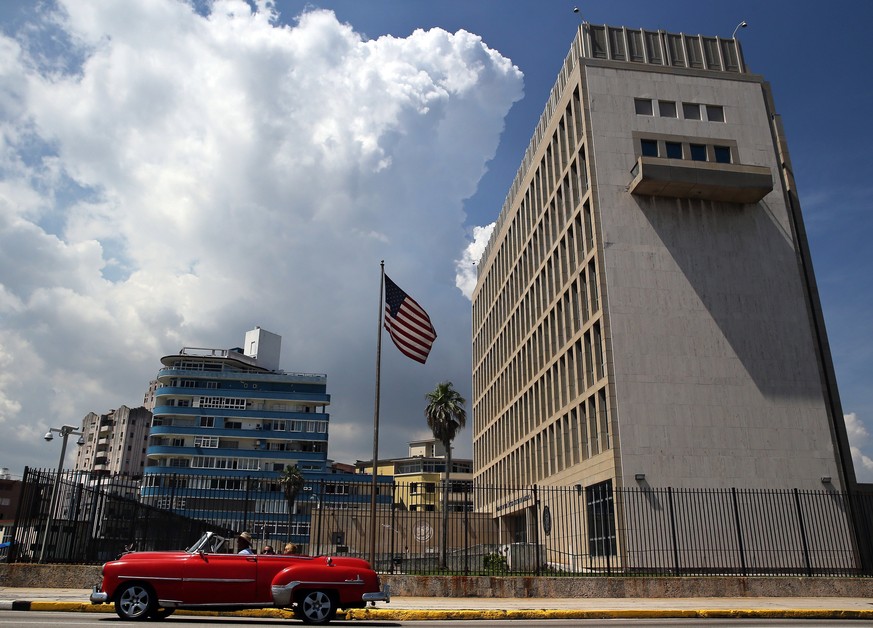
[{"x": 173, "y": 179}]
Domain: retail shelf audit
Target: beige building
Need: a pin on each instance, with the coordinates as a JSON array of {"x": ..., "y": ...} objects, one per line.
[
  {"x": 646, "y": 313},
  {"x": 420, "y": 476},
  {"x": 115, "y": 442}
]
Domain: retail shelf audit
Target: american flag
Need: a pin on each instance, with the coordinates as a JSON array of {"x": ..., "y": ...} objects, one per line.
[{"x": 407, "y": 323}]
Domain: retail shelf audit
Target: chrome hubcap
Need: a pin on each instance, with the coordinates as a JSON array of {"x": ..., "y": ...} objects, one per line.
[
  {"x": 316, "y": 606},
  {"x": 134, "y": 601}
]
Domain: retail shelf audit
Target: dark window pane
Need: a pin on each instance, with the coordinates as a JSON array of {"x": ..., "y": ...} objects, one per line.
[
  {"x": 667, "y": 108},
  {"x": 691, "y": 111},
  {"x": 600, "y": 511},
  {"x": 714, "y": 113},
  {"x": 643, "y": 106},
  {"x": 674, "y": 150},
  {"x": 649, "y": 148},
  {"x": 722, "y": 154},
  {"x": 698, "y": 152}
]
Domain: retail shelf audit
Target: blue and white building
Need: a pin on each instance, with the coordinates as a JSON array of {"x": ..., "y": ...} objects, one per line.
[{"x": 226, "y": 423}]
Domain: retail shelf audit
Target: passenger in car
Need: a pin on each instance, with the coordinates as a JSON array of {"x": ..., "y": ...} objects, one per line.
[{"x": 244, "y": 543}]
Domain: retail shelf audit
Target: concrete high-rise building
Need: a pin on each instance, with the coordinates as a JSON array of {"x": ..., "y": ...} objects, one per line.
[
  {"x": 646, "y": 312},
  {"x": 115, "y": 442}
]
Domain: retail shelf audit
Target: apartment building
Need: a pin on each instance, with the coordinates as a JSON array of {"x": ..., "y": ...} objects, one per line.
[
  {"x": 224, "y": 418},
  {"x": 114, "y": 443}
]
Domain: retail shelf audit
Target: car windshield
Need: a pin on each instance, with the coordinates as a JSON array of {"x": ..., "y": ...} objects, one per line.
[{"x": 209, "y": 542}]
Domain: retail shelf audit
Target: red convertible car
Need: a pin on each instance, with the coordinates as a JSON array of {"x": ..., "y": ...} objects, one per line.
[{"x": 151, "y": 585}]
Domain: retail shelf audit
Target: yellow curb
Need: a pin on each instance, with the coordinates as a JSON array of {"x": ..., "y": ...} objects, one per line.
[
  {"x": 421, "y": 615},
  {"x": 382, "y": 614}
]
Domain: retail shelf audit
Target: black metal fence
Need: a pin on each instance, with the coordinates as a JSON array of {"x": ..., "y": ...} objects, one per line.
[
  {"x": 76, "y": 518},
  {"x": 489, "y": 530}
]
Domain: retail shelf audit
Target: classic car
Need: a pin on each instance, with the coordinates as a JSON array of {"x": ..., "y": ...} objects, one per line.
[{"x": 208, "y": 576}]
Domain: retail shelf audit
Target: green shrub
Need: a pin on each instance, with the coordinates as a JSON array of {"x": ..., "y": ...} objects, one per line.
[{"x": 495, "y": 562}]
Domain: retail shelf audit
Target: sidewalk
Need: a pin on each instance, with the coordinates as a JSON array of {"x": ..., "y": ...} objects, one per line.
[{"x": 422, "y": 608}]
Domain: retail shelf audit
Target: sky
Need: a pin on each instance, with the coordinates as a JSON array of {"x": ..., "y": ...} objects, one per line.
[{"x": 173, "y": 174}]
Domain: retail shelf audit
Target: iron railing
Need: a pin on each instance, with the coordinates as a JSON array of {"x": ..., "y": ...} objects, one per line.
[
  {"x": 491, "y": 530},
  {"x": 92, "y": 519}
]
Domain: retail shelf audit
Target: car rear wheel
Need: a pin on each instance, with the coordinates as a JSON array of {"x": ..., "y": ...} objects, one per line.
[
  {"x": 135, "y": 602},
  {"x": 316, "y": 607},
  {"x": 161, "y": 613}
]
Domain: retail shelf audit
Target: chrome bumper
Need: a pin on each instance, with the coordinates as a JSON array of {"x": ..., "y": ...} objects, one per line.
[
  {"x": 380, "y": 596},
  {"x": 98, "y": 597}
]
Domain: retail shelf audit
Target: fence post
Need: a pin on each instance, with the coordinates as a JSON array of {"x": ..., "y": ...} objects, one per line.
[
  {"x": 391, "y": 562},
  {"x": 75, "y": 512},
  {"x": 802, "y": 532},
  {"x": 739, "y": 529},
  {"x": 466, "y": 530},
  {"x": 536, "y": 527},
  {"x": 611, "y": 520},
  {"x": 320, "y": 513},
  {"x": 245, "y": 525},
  {"x": 673, "y": 531},
  {"x": 12, "y": 555},
  {"x": 131, "y": 531}
]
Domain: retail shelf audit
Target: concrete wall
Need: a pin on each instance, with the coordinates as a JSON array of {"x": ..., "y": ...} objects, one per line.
[
  {"x": 717, "y": 380},
  {"x": 84, "y": 576}
]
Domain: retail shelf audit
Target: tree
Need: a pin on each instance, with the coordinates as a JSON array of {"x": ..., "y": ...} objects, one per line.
[
  {"x": 445, "y": 416},
  {"x": 292, "y": 482}
]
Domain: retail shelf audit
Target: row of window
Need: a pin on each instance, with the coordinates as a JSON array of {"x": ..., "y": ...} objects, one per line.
[
  {"x": 540, "y": 293},
  {"x": 214, "y": 462},
  {"x": 669, "y": 109},
  {"x": 213, "y": 442},
  {"x": 579, "y": 434},
  {"x": 686, "y": 150},
  {"x": 462, "y": 486},
  {"x": 233, "y": 403},
  {"x": 291, "y": 425},
  {"x": 431, "y": 466}
]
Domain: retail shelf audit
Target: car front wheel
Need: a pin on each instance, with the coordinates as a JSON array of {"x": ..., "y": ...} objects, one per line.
[
  {"x": 316, "y": 607},
  {"x": 135, "y": 602}
]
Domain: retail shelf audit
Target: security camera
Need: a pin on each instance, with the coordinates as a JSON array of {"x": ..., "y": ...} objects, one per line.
[{"x": 48, "y": 436}]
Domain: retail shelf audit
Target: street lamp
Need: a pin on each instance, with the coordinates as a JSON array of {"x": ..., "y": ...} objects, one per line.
[
  {"x": 742, "y": 24},
  {"x": 65, "y": 432}
]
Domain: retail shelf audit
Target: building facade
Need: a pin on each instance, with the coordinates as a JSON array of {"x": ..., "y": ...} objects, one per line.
[
  {"x": 226, "y": 423},
  {"x": 115, "y": 442},
  {"x": 646, "y": 313},
  {"x": 419, "y": 478}
]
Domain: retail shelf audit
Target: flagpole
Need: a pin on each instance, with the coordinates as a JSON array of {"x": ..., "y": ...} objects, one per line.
[{"x": 374, "y": 486}]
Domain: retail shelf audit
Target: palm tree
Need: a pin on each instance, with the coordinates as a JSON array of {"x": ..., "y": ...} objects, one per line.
[
  {"x": 445, "y": 416},
  {"x": 292, "y": 482}
]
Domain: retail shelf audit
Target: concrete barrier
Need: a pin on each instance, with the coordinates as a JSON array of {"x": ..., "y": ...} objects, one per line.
[
  {"x": 85, "y": 576},
  {"x": 626, "y": 587}
]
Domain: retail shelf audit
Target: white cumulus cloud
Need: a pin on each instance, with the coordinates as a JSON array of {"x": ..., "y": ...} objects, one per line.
[
  {"x": 466, "y": 267},
  {"x": 170, "y": 179},
  {"x": 859, "y": 438}
]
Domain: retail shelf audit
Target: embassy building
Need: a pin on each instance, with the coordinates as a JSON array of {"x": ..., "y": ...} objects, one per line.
[{"x": 646, "y": 313}]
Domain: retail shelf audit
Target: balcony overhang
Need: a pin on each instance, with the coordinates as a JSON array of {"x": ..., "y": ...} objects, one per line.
[{"x": 680, "y": 178}]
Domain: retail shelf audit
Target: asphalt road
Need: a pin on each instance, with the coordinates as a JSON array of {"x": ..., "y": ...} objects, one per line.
[{"x": 38, "y": 619}]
